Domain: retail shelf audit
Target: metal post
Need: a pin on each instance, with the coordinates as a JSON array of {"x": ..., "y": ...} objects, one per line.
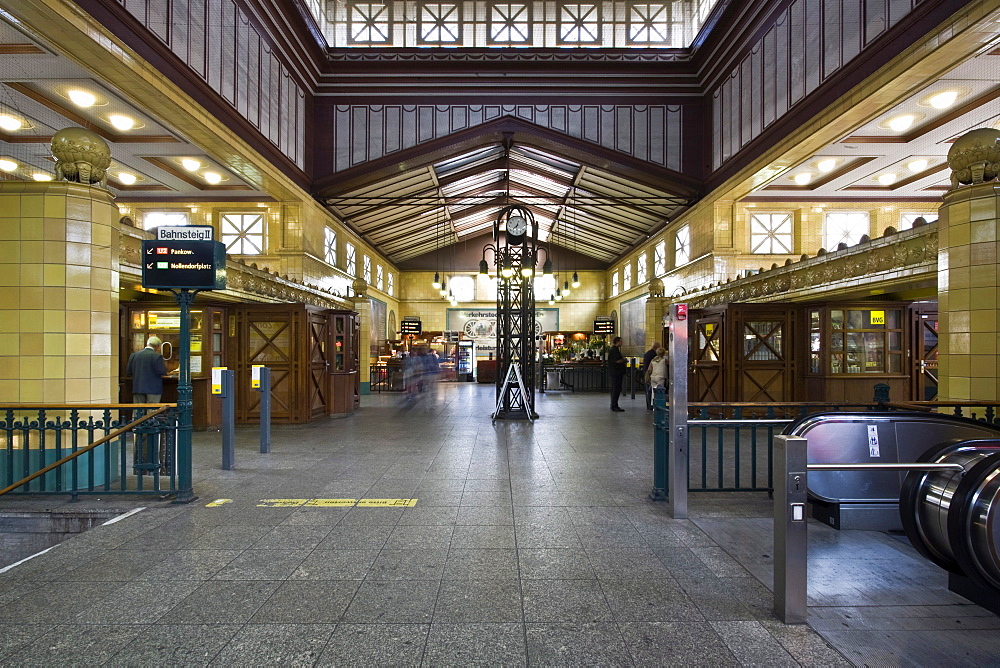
[
  {"x": 228, "y": 420},
  {"x": 678, "y": 443},
  {"x": 660, "y": 427},
  {"x": 790, "y": 535},
  {"x": 265, "y": 409},
  {"x": 185, "y": 491}
]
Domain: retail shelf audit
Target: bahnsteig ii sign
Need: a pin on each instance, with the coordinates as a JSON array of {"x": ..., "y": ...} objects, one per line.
[{"x": 480, "y": 325}]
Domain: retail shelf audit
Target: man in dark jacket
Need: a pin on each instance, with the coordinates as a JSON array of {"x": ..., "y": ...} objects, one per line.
[
  {"x": 147, "y": 369},
  {"x": 646, "y": 359},
  {"x": 616, "y": 368}
]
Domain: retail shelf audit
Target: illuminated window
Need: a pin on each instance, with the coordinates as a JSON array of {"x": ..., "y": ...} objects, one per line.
[
  {"x": 510, "y": 23},
  {"x": 626, "y": 277},
  {"x": 330, "y": 246},
  {"x": 682, "y": 246},
  {"x": 614, "y": 284},
  {"x": 153, "y": 219},
  {"x": 640, "y": 269},
  {"x": 545, "y": 287},
  {"x": 579, "y": 23},
  {"x": 660, "y": 259},
  {"x": 366, "y": 271},
  {"x": 648, "y": 24},
  {"x": 844, "y": 227},
  {"x": 771, "y": 233},
  {"x": 370, "y": 23},
  {"x": 463, "y": 288},
  {"x": 906, "y": 220},
  {"x": 243, "y": 233},
  {"x": 380, "y": 277},
  {"x": 390, "y": 284},
  {"x": 352, "y": 259},
  {"x": 440, "y": 23}
]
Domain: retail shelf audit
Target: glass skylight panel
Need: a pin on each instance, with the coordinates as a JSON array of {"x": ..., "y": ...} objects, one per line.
[
  {"x": 682, "y": 246},
  {"x": 844, "y": 227},
  {"x": 660, "y": 259},
  {"x": 330, "y": 246}
]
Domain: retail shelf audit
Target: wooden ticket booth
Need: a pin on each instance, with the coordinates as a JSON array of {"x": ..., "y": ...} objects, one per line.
[{"x": 313, "y": 354}]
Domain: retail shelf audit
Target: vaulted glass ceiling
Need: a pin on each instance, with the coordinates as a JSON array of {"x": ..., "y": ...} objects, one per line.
[{"x": 543, "y": 24}]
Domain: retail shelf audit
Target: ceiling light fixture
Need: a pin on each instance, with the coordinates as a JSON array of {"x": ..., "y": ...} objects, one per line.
[
  {"x": 82, "y": 98},
  {"x": 123, "y": 123},
  {"x": 944, "y": 99},
  {"x": 918, "y": 165},
  {"x": 212, "y": 177},
  {"x": 190, "y": 164},
  {"x": 826, "y": 165},
  {"x": 901, "y": 123},
  {"x": 126, "y": 179},
  {"x": 887, "y": 179},
  {"x": 803, "y": 178},
  {"x": 8, "y": 165},
  {"x": 39, "y": 176},
  {"x": 9, "y": 123},
  {"x": 565, "y": 288}
]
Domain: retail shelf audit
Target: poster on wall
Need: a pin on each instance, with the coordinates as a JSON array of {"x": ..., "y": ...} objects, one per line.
[
  {"x": 633, "y": 326},
  {"x": 480, "y": 325},
  {"x": 377, "y": 335}
]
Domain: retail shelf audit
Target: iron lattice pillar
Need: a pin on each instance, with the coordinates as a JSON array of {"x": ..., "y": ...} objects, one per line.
[{"x": 516, "y": 334}]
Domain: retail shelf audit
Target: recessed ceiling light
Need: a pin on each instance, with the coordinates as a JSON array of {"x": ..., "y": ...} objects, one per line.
[
  {"x": 803, "y": 178},
  {"x": 190, "y": 164},
  {"x": 9, "y": 123},
  {"x": 901, "y": 123},
  {"x": 944, "y": 99},
  {"x": 38, "y": 176},
  {"x": 126, "y": 178},
  {"x": 82, "y": 98},
  {"x": 123, "y": 123},
  {"x": 212, "y": 177},
  {"x": 917, "y": 165},
  {"x": 887, "y": 179},
  {"x": 826, "y": 165},
  {"x": 8, "y": 165}
]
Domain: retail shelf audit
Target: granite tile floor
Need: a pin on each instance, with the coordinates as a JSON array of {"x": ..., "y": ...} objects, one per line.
[{"x": 530, "y": 543}]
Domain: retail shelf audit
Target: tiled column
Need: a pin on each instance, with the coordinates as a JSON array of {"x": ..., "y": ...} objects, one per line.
[
  {"x": 364, "y": 308},
  {"x": 654, "y": 320},
  {"x": 968, "y": 293},
  {"x": 58, "y": 293}
]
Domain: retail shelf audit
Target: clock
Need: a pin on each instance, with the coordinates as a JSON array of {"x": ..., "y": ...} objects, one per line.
[{"x": 516, "y": 226}]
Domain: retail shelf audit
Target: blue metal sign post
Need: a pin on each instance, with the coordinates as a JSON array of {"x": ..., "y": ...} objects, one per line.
[{"x": 185, "y": 485}]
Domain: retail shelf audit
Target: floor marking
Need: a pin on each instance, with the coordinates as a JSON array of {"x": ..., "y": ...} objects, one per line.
[
  {"x": 217, "y": 502},
  {"x": 18, "y": 563},
  {"x": 281, "y": 503},
  {"x": 331, "y": 503},
  {"x": 119, "y": 518},
  {"x": 391, "y": 503}
]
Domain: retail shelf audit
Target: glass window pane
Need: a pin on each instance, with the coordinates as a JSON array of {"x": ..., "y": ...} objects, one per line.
[
  {"x": 813, "y": 319},
  {"x": 814, "y": 341},
  {"x": 844, "y": 227},
  {"x": 837, "y": 363},
  {"x": 837, "y": 341},
  {"x": 894, "y": 319},
  {"x": 895, "y": 363},
  {"x": 895, "y": 341},
  {"x": 814, "y": 362},
  {"x": 771, "y": 233},
  {"x": 836, "y": 319},
  {"x": 856, "y": 319}
]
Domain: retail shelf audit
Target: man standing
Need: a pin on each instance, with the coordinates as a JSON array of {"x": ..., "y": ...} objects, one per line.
[
  {"x": 646, "y": 359},
  {"x": 616, "y": 368},
  {"x": 147, "y": 369}
]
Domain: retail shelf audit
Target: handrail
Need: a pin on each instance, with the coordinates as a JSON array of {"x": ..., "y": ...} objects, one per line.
[
  {"x": 82, "y": 407},
  {"x": 73, "y": 455},
  {"x": 888, "y": 466}
]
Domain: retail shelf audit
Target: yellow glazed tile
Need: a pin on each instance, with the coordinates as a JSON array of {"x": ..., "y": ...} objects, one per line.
[
  {"x": 55, "y": 390},
  {"x": 78, "y": 366},
  {"x": 77, "y": 276},
  {"x": 54, "y": 343},
  {"x": 32, "y": 344},
  {"x": 32, "y": 206},
  {"x": 32, "y": 391},
  {"x": 32, "y": 252},
  {"x": 78, "y": 344},
  {"x": 78, "y": 389},
  {"x": 54, "y": 229},
  {"x": 54, "y": 275},
  {"x": 10, "y": 344},
  {"x": 54, "y": 206},
  {"x": 10, "y": 366},
  {"x": 77, "y": 299},
  {"x": 31, "y": 321},
  {"x": 54, "y": 252},
  {"x": 54, "y": 366},
  {"x": 31, "y": 274},
  {"x": 31, "y": 367},
  {"x": 54, "y": 298},
  {"x": 78, "y": 322}
]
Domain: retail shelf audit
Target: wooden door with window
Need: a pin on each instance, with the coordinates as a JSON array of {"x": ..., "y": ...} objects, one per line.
[
  {"x": 267, "y": 335},
  {"x": 762, "y": 354},
  {"x": 924, "y": 347},
  {"x": 707, "y": 357},
  {"x": 318, "y": 379}
]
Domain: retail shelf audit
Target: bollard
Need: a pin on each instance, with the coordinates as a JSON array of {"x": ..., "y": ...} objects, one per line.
[
  {"x": 790, "y": 533},
  {"x": 227, "y": 390},
  {"x": 261, "y": 381},
  {"x": 677, "y": 457},
  {"x": 660, "y": 445}
]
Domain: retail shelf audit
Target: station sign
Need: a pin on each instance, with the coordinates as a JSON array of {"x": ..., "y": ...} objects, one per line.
[
  {"x": 411, "y": 326},
  {"x": 185, "y": 233},
  {"x": 199, "y": 264},
  {"x": 604, "y": 326}
]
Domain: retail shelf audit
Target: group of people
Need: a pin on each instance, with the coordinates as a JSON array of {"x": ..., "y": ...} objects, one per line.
[
  {"x": 421, "y": 368},
  {"x": 654, "y": 370}
]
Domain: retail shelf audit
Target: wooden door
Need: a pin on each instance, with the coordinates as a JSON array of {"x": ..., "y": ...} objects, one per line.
[
  {"x": 268, "y": 337},
  {"x": 707, "y": 359},
  {"x": 924, "y": 347},
  {"x": 318, "y": 380},
  {"x": 763, "y": 368}
]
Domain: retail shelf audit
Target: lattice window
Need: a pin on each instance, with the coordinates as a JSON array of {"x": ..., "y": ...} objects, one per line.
[
  {"x": 614, "y": 284},
  {"x": 330, "y": 246},
  {"x": 351, "y": 259},
  {"x": 660, "y": 259},
  {"x": 380, "y": 277},
  {"x": 390, "y": 283},
  {"x": 151, "y": 219},
  {"x": 463, "y": 288},
  {"x": 906, "y": 220},
  {"x": 580, "y": 23},
  {"x": 649, "y": 23},
  {"x": 640, "y": 269},
  {"x": 510, "y": 23},
  {"x": 626, "y": 277},
  {"x": 440, "y": 23},
  {"x": 242, "y": 233},
  {"x": 771, "y": 233},
  {"x": 545, "y": 287},
  {"x": 366, "y": 271},
  {"x": 844, "y": 227},
  {"x": 762, "y": 340},
  {"x": 682, "y": 246},
  {"x": 370, "y": 23}
]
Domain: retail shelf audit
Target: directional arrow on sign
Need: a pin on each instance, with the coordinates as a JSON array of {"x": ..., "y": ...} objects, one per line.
[
  {"x": 150, "y": 265},
  {"x": 149, "y": 252}
]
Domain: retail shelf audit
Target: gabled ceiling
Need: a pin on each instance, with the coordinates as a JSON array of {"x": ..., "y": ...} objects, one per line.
[{"x": 415, "y": 207}]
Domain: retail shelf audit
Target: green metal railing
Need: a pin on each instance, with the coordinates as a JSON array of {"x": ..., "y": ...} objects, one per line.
[{"x": 88, "y": 449}]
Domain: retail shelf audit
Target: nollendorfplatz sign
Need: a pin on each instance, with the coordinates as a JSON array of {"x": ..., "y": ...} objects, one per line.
[{"x": 199, "y": 265}]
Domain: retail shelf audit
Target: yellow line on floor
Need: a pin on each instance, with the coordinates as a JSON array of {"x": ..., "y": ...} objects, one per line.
[{"x": 332, "y": 503}]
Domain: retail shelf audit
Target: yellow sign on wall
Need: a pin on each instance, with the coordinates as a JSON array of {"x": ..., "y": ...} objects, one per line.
[{"x": 878, "y": 317}]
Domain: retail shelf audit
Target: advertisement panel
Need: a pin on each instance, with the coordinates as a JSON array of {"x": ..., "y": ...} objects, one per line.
[{"x": 480, "y": 325}]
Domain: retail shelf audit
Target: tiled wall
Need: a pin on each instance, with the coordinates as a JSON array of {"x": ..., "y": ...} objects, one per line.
[
  {"x": 968, "y": 293},
  {"x": 58, "y": 293}
]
